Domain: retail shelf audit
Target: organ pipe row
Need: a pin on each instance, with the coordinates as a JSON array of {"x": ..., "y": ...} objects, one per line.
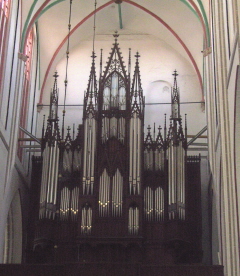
[
  {"x": 108, "y": 184},
  {"x": 69, "y": 204},
  {"x": 104, "y": 195},
  {"x": 176, "y": 181},
  {"x": 154, "y": 204},
  {"x": 117, "y": 194},
  {"x": 86, "y": 222},
  {"x": 49, "y": 182},
  {"x": 153, "y": 159},
  {"x": 133, "y": 220},
  {"x": 113, "y": 127},
  {"x": 71, "y": 161}
]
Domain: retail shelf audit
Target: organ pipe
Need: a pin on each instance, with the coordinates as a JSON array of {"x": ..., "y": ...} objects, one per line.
[
  {"x": 135, "y": 155},
  {"x": 117, "y": 192},
  {"x": 49, "y": 183},
  {"x": 89, "y": 155},
  {"x": 86, "y": 222},
  {"x": 176, "y": 181},
  {"x": 133, "y": 220},
  {"x": 104, "y": 194}
]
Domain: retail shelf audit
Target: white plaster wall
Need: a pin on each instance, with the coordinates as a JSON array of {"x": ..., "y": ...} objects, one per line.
[{"x": 156, "y": 67}]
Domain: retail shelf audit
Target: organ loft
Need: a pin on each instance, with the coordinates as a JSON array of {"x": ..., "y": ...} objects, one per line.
[{"x": 107, "y": 192}]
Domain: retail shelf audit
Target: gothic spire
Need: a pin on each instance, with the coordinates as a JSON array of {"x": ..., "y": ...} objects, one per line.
[
  {"x": 115, "y": 62},
  {"x": 137, "y": 99},
  {"x": 175, "y": 99},
  {"x": 53, "y": 111},
  {"x": 90, "y": 99},
  {"x": 52, "y": 133}
]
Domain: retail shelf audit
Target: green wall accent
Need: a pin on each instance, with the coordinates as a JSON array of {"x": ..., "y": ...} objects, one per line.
[
  {"x": 26, "y": 23},
  {"x": 190, "y": 7},
  {"x": 204, "y": 17},
  {"x": 205, "y": 21},
  {"x": 120, "y": 16},
  {"x": 48, "y": 7},
  {"x": 29, "y": 16}
]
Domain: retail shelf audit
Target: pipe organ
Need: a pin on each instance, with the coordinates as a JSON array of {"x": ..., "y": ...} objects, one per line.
[{"x": 111, "y": 186}]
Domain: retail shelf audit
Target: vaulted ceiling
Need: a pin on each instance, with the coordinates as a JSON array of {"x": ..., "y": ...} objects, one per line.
[
  {"x": 178, "y": 26},
  {"x": 181, "y": 24}
]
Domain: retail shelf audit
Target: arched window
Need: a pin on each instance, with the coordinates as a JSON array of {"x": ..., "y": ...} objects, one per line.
[
  {"x": 114, "y": 94},
  {"x": 26, "y": 88},
  {"x": 4, "y": 25}
]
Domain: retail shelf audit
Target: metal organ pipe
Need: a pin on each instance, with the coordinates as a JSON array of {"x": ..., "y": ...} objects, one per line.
[
  {"x": 135, "y": 156},
  {"x": 49, "y": 183},
  {"x": 104, "y": 195},
  {"x": 148, "y": 203},
  {"x": 67, "y": 161},
  {"x": 89, "y": 153},
  {"x": 77, "y": 160},
  {"x": 117, "y": 194},
  {"x": 159, "y": 204},
  {"x": 133, "y": 220},
  {"x": 43, "y": 183},
  {"x": 176, "y": 171},
  {"x": 86, "y": 222}
]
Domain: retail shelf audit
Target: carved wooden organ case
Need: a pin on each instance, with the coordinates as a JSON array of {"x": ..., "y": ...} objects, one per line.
[{"x": 108, "y": 191}]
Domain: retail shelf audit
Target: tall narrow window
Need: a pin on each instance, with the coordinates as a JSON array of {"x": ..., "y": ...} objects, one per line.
[
  {"x": 26, "y": 88},
  {"x": 4, "y": 25},
  {"x": 114, "y": 95}
]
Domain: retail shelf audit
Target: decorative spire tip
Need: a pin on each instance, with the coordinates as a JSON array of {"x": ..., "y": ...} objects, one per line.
[
  {"x": 175, "y": 74},
  {"x": 116, "y": 35}
]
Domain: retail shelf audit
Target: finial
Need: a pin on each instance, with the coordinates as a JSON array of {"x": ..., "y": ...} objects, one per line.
[
  {"x": 68, "y": 129},
  {"x": 185, "y": 122},
  {"x": 56, "y": 75},
  {"x": 129, "y": 62},
  {"x": 149, "y": 128},
  {"x": 73, "y": 131},
  {"x": 93, "y": 56},
  {"x": 94, "y": 24},
  {"x": 154, "y": 131},
  {"x": 175, "y": 74},
  {"x": 137, "y": 56},
  {"x": 165, "y": 126},
  {"x": 116, "y": 35},
  {"x": 101, "y": 62}
]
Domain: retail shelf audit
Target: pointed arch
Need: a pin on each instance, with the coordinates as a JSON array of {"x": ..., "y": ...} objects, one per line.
[{"x": 145, "y": 10}]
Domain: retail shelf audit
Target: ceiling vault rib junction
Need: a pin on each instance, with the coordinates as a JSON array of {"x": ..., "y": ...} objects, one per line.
[{"x": 145, "y": 10}]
